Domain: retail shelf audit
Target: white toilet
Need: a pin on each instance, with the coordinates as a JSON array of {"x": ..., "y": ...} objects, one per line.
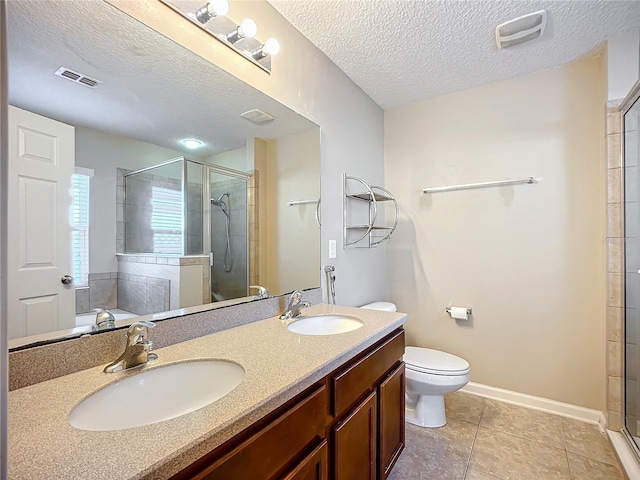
[{"x": 430, "y": 374}]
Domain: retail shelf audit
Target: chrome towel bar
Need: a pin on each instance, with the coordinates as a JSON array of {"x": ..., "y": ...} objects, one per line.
[{"x": 499, "y": 183}]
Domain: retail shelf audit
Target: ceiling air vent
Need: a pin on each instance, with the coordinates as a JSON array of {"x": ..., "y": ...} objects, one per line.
[
  {"x": 521, "y": 29},
  {"x": 77, "y": 77},
  {"x": 257, "y": 116}
]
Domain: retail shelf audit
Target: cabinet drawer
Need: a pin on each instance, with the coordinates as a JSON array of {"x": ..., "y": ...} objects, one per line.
[
  {"x": 351, "y": 384},
  {"x": 273, "y": 449}
]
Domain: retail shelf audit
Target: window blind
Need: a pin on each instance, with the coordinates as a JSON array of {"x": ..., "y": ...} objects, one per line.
[
  {"x": 166, "y": 220},
  {"x": 80, "y": 228}
]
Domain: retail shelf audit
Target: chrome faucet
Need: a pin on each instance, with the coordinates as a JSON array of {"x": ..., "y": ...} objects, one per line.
[
  {"x": 262, "y": 291},
  {"x": 138, "y": 349},
  {"x": 295, "y": 306},
  {"x": 104, "y": 319}
]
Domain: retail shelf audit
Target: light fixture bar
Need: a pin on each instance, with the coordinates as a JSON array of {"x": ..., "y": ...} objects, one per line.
[{"x": 239, "y": 38}]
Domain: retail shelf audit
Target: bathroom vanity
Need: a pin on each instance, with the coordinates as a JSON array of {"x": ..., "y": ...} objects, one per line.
[
  {"x": 354, "y": 417},
  {"x": 309, "y": 407}
]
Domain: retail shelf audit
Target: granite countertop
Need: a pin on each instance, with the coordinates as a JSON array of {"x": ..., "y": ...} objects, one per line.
[{"x": 278, "y": 365}]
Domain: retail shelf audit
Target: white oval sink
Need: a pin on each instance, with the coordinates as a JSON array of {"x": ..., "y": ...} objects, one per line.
[
  {"x": 156, "y": 395},
  {"x": 324, "y": 324}
]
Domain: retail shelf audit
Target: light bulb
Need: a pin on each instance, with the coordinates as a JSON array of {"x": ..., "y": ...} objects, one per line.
[
  {"x": 221, "y": 7},
  {"x": 247, "y": 28},
  {"x": 271, "y": 47},
  {"x": 212, "y": 9}
]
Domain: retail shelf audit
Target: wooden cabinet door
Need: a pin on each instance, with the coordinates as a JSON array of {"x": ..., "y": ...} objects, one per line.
[
  {"x": 354, "y": 441},
  {"x": 391, "y": 401},
  {"x": 314, "y": 466}
]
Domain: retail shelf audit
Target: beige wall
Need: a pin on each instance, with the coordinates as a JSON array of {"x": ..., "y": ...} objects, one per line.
[
  {"x": 529, "y": 259},
  {"x": 305, "y": 80},
  {"x": 293, "y": 169},
  {"x": 235, "y": 159}
]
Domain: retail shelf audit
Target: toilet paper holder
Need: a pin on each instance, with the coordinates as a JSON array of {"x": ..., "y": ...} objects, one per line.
[{"x": 448, "y": 310}]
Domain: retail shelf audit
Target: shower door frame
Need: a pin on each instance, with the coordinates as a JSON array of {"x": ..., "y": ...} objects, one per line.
[
  {"x": 209, "y": 168},
  {"x": 625, "y": 106}
]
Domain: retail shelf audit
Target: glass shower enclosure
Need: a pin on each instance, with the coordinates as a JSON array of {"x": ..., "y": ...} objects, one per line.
[
  {"x": 185, "y": 207},
  {"x": 631, "y": 164}
]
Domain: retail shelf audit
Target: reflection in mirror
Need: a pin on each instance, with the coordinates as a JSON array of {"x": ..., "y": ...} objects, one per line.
[
  {"x": 631, "y": 120},
  {"x": 106, "y": 190}
]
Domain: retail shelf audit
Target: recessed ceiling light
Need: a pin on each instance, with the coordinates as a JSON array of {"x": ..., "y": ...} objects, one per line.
[{"x": 191, "y": 143}]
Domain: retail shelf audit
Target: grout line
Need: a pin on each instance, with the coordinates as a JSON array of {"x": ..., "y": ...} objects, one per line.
[{"x": 473, "y": 444}]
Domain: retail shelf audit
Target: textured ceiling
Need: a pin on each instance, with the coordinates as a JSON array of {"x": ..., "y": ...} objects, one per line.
[
  {"x": 401, "y": 51},
  {"x": 154, "y": 90}
]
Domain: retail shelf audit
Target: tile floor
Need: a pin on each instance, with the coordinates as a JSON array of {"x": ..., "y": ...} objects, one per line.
[{"x": 489, "y": 440}]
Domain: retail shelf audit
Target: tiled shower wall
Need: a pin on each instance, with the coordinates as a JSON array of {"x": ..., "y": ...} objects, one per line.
[
  {"x": 615, "y": 268},
  {"x": 231, "y": 284}
]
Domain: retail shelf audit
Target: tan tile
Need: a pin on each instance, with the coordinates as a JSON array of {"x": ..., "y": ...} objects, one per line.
[
  {"x": 614, "y": 324},
  {"x": 614, "y": 420},
  {"x": 473, "y": 474},
  {"x": 614, "y": 394},
  {"x": 613, "y": 122},
  {"x": 614, "y": 359},
  {"x": 583, "y": 468},
  {"x": 452, "y": 442},
  {"x": 614, "y": 220},
  {"x": 587, "y": 440},
  {"x": 614, "y": 290},
  {"x": 614, "y": 151},
  {"x": 464, "y": 406},
  {"x": 523, "y": 422},
  {"x": 614, "y": 255},
  {"x": 613, "y": 185},
  {"x": 440, "y": 453},
  {"x": 510, "y": 457}
]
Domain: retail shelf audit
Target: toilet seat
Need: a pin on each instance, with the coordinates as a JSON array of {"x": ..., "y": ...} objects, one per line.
[{"x": 434, "y": 362}]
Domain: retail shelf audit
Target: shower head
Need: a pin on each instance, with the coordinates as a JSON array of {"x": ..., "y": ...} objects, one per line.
[{"x": 218, "y": 202}]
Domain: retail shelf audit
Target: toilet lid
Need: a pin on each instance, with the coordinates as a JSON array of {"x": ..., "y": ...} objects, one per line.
[{"x": 434, "y": 361}]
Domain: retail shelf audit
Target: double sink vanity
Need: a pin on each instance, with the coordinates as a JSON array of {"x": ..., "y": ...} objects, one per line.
[{"x": 318, "y": 396}]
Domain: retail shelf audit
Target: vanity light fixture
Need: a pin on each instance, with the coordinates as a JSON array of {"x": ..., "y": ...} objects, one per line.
[
  {"x": 212, "y": 18},
  {"x": 247, "y": 28},
  {"x": 191, "y": 143},
  {"x": 212, "y": 9},
  {"x": 270, "y": 47}
]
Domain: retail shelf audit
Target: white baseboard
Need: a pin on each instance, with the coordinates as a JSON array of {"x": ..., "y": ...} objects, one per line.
[
  {"x": 626, "y": 456},
  {"x": 568, "y": 410}
]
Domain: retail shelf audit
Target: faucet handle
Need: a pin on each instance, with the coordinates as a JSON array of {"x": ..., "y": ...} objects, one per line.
[
  {"x": 136, "y": 331},
  {"x": 262, "y": 291},
  {"x": 295, "y": 298}
]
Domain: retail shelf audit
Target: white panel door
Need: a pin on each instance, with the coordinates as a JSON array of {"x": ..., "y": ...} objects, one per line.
[{"x": 41, "y": 163}]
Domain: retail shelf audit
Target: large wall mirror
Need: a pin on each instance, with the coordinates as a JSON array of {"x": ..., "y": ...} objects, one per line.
[{"x": 112, "y": 207}]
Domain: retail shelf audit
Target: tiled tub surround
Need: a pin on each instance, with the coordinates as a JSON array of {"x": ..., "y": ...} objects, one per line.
[
  {"x": 102, "y": 292},
  {"x": 31, "y": 365},
  {"x": 188, "y": 278},
  {"x": 143, "y": 295},
  {"x": 82, "y": 300},
  {"x": 278, "y": 365}
]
